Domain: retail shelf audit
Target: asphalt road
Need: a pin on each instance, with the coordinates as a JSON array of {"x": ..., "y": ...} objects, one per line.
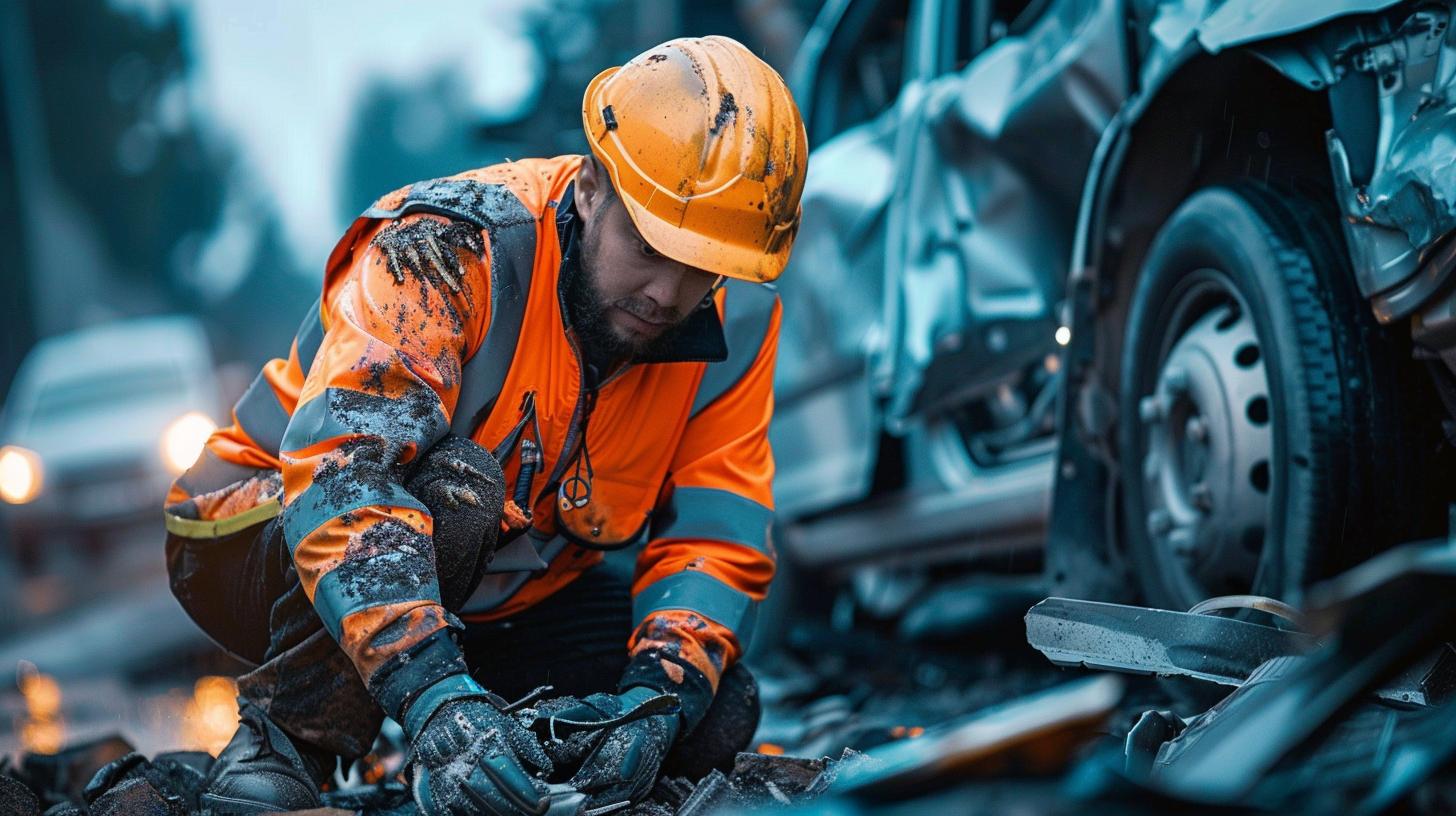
[{"x": 93, "y": 643}]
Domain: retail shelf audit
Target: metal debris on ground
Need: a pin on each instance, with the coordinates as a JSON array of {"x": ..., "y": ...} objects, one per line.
[
  {"x": 1038, "y": 734},
  {"x": 1347, "y": 717},
  {"x": 171, "y": 784},
  {"x": 1137, "y": 640}
]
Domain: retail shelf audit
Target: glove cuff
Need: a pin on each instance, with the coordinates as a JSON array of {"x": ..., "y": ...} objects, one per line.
[
  {"x": 455, "y": 687},
  {"x": 405, "y": 678},
  {"x": 670, "y": 674}
]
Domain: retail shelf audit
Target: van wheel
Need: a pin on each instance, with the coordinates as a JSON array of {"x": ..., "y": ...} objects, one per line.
[{"x": 1255, "y": 392}]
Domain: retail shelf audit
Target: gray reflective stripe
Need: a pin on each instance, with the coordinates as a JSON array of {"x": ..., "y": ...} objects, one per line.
[
  {"x": 342, "y": 412},
  {"x": 334, "y": 603},
  {"x": 319, "y": 503},
  {"x": 720, "y": 515},
  {"x": 747, "y": 312},
  {"x": 310, "y": 336},
  {"x": 497, "y": 587},
  {"x": 511, "y": 228},
  {"x": 209, "y": 474},
  {"x": 513, "y": 255},
  {"x": 260, "y": 415},
  {"x": 701, "y": 593}
]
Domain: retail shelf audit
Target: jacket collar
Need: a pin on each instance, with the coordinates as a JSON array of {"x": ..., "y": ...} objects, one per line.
[{"x": 699, "y": 340}]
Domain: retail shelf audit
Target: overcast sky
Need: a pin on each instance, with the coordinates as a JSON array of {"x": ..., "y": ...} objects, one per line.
[{"x": 282, "y": 79}]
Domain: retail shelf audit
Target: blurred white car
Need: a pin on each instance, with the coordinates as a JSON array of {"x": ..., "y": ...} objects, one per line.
[{"x": 98, "y": 423}]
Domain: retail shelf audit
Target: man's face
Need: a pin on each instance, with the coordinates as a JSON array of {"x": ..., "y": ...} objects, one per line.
[{"x": 629, "y": 297}]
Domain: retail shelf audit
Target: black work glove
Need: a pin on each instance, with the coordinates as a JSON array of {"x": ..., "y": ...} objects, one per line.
[
  {"x": 635, "y": 731},
  {"x": 471, "y": 757},
  {"x": 468, "y": 752},
  {"x": 620, "y": 740}
]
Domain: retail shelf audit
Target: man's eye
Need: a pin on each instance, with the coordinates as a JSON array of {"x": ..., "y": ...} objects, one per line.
[{"x": 648, "y": 250}]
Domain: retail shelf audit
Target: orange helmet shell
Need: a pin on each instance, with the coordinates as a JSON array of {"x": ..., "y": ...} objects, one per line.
[{"x": 707, "y": 151}]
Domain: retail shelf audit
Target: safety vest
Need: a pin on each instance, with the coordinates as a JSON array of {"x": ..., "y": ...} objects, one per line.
[{"x": 640, "y": 422}]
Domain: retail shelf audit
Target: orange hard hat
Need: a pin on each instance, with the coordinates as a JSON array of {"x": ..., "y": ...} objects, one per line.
[{"x": 707, "y": 151}]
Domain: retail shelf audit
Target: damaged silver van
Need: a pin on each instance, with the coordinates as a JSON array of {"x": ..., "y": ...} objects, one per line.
[{"x": 1158, "y": 291}]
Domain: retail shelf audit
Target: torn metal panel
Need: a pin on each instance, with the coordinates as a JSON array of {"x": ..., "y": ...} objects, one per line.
[
  {"x": 1154, "y": 641},
  {"x": 1391, "y": 155},
  {"x": 1242, "y": 21},
  {"x": 1385, "y": 615}
]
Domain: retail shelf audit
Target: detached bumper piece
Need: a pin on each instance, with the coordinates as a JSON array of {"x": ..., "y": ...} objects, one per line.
[{"x": 1349, "y": 717}]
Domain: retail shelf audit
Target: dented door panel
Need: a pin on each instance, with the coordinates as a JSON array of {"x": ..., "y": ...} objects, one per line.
[
  {"x": 992, "y": 179},
  {"x": 825, "y": 422}
]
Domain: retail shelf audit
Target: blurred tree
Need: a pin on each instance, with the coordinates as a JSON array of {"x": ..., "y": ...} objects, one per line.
[
  {"x": 125, "y": 145},
  {"x": 403, "y": 133},
  {"x": 131, "y": 202}
]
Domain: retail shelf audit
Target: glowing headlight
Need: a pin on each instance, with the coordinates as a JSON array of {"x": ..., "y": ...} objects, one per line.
[
  {"x": 20, "y": 474},
  {"x": 183, "y": 440}
]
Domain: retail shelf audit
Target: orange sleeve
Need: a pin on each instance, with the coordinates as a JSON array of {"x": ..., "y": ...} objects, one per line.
[
  {"x": 710, "y": 559},
  {"x": 238, "y": 468},
  {"x": 382, "y": 389}
]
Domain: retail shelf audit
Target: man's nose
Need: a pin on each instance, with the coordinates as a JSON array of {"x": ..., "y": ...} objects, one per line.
[{"x": 666, "y": 283}]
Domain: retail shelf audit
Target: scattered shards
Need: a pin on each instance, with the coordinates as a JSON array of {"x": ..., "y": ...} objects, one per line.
[
  {"x": 757, "y": 782},
  {"x": 91, "y": 778},
  {"x": 136, "y": 797},
  {"x": 1353, "y": 723},
  {"x": 1038, "y": 734},
  {"x": 171, "y": 783}
]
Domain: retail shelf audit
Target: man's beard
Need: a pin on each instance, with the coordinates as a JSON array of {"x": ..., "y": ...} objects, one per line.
[{"x": 603, "y": 345}]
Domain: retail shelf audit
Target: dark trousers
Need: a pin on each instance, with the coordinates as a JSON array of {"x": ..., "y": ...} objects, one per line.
[{"x": 247, "y": 596}]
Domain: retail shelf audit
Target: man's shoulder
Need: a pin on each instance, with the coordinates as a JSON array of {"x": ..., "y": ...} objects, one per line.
[{"x": 494, "y": 194}]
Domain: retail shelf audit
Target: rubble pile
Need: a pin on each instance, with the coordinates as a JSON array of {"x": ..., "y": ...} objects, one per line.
[
  {"x": 85, "y": 780},
  {"x": 73, "y": 784}
]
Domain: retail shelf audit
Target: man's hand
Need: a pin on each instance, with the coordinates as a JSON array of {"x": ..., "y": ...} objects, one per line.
[
  {"x": 622, "y": 760},
  {"x": 472, "y": 758},
  {"x": 468, "y": 754}
]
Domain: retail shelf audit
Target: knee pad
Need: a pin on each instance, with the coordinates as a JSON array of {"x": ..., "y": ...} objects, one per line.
[
  {"x": 726, "y": 729},
  {"x": 462, "y": 486}
]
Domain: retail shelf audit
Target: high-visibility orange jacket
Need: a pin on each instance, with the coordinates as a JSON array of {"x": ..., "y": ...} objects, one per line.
[{"x": 674, "y": 449}]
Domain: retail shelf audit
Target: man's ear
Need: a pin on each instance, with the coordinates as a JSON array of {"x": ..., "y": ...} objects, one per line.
[{"x": 592, "y": 186}]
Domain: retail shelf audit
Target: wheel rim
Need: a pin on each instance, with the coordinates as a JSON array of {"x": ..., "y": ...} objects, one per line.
[{"x": 1207, "y": 441}]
